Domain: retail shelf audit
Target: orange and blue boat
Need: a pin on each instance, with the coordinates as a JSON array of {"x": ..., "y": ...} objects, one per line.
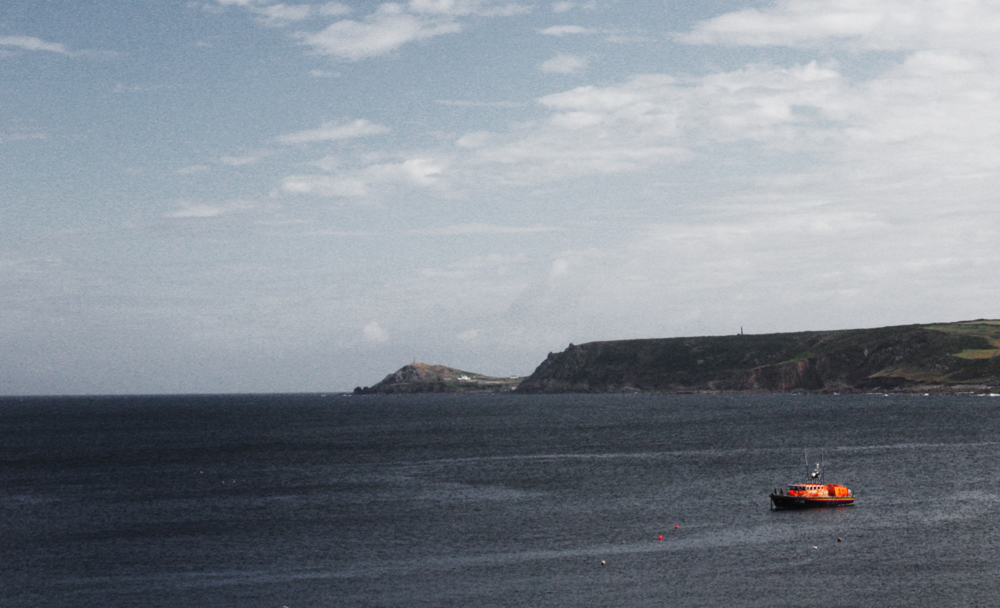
[{"x": 812, "y": 494}]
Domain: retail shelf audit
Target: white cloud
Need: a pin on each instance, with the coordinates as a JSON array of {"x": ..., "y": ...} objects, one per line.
[
  {"x": 30, "y": 43},
  {"x": 370, "y": 180},
  {"x": 138, "y": 88},
  {"x": 192, "y": 169},
  {"x": 566, "y": 30},
  {"x": 565, "y": 7},
  {"x": 22, "y": 136},
  {"x": 479, "y": 104},
  {"x": 468, "y": 335},
  {"x": 192, "y": 210},
  {"x": 866, "y": 24},
  {"x": 325, "y": 185},
  {"x": 324, "y": 74},
  {"x": 284, "y": 13},
  {"x": 334, "y": 8},
  {"x": 333, "y": 131},
  {"x": 374, "y": 333},
  {"x": 559, "y": 268},
  {"x": 280, "y": 14},
  {"x": 389, "y": 28},
  {"x": 394, "y": 25},
  {"x": 564, "y": 63},
  {"x": 483, "y": 229},
  {"x": 419, "y": 171},
  {"x": 476, "y": 139},
  {"x": 244, "y": 160}
]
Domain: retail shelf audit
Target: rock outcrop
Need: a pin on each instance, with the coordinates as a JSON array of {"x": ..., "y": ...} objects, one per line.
[{"x": 424, "y": 378}]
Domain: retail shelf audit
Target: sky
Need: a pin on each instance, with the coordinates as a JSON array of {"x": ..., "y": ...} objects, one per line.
[{"x": 249, "y": 196}]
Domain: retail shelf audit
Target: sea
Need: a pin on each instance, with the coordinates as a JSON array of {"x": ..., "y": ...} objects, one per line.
[{"x": 624, "y": 501}]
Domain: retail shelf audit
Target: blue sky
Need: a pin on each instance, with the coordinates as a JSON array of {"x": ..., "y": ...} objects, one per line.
[{"x": 251, "y": 196}]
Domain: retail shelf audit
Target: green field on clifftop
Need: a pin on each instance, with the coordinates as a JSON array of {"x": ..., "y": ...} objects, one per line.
[{"x": 988, "y": 330}]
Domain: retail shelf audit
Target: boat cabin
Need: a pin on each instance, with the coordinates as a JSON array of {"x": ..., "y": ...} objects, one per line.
[{"x": 818, "y": 490}]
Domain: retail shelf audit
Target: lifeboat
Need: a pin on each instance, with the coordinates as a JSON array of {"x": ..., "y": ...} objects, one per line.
[
  {"x": 806, "y": 495},
  {"x": 813, "y": 494}
]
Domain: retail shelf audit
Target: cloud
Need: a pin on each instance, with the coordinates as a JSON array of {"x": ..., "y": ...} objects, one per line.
[
  {"x": 334, "y": 8},
  {"x": 192, "y": 169},
  {"x": 324, "y": 74},
  {"x": 483, "y": 229},
  {"x": 565, "y": 7},
  {"x": 22, "y": 136},
  {"x": 374, "y": 333},
  {"x": 281, "y": 14},
  {"x": 468, "y": 335},
  {"x": 564, "y": 64},
  {"x": 333, "y": 131},
  {"x": 566, "y": 30},
  {"x": 589, "y": 131},
  {"x": 138, "y": 88},
  {"x": 419, "y": 171},
  {"x": 479, "y": 104},
  {"x": 369, "y": 180},
  {"x": 192, "y": 210},
  {"x": 872, "y": 25},
  {"x": 930, "y": 113},
  {"x": 244, "y": 160},
  {"x": 394, "y": 25},
  {"x": 284, "y": 13},
  {"x": 30, "y": 43},
  {"x": 325, "y": 185},
  {"x": 389, "y": 28}
]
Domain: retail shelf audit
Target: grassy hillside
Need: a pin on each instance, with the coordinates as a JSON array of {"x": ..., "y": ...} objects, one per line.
[{"x": 946, "y": 356}]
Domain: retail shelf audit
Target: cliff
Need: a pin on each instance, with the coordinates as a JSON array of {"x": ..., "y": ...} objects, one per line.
[
  {"x": 424, "y": 378},
  {"x": 961, "y": 356}
]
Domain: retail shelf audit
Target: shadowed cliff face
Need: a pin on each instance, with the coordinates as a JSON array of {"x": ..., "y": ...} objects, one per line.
[{"x": 891, "y": 358}]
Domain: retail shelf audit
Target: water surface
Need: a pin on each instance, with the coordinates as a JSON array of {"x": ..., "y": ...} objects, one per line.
[{"x": 489, "y": 500}]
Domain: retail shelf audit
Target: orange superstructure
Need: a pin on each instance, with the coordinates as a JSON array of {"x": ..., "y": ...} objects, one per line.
[{"x": 818, "y": 490}]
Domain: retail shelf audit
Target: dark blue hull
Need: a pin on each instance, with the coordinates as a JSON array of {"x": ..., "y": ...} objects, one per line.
[{"x": 783, "y": 501}]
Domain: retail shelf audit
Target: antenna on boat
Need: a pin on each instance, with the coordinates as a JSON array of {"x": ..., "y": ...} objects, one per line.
[{"x": 817, "y": 472}]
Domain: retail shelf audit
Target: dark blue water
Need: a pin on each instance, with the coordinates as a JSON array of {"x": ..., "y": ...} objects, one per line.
[{"x": 465, "y": 501}]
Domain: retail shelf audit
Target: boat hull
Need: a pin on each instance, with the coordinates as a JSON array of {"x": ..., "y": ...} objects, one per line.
[{"x": 784, "y": 501}]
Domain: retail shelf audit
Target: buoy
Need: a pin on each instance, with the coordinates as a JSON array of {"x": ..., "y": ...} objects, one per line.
[
  {"x": 677, "y": 527},
  {"x": 661, "y": 538},
  {"x": 602, "y": 563},
  {"x": 838, "y": 539}
]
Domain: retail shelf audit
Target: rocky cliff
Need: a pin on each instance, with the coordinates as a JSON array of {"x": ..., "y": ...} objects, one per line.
[{"x": 953, "y": 356}]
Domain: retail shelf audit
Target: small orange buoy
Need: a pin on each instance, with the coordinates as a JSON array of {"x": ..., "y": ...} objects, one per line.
[
  {"x": 661, "y": 538},
  {"x": 677, "y": 527},
  {"x": 838, "y": 539}
]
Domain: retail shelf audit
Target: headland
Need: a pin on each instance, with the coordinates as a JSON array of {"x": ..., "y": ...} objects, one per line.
[{"x": 962, "y": 357}]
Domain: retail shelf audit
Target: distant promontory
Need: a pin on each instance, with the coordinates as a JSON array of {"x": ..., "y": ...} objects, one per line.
[
  {"x": 945, "y": 357},
  {"x": 424, "y": 378}
]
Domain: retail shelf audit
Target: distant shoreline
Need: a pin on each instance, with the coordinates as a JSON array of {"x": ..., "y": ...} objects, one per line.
[{"x": 941, "y": 358}]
